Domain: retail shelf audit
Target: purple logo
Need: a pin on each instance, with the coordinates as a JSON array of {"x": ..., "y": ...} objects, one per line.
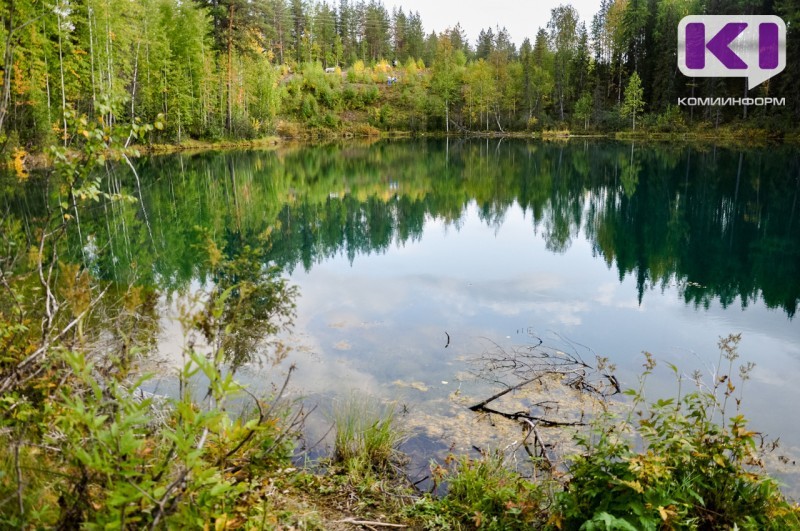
[{"x": 732, "y": 46}]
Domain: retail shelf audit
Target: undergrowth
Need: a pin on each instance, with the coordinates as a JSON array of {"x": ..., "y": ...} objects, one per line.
[{"x": 481, "y": 493}]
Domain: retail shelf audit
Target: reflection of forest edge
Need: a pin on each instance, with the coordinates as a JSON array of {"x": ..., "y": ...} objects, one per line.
[{"x": 718, "y": 223}]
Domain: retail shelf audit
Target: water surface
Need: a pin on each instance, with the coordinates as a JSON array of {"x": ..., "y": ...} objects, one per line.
[{"x": 413, "y": 257}]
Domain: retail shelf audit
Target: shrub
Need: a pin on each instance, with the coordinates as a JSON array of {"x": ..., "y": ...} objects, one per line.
[
  {"x": 350, "y": 97},
  {"x": 287, "y": 129},
  {"x": 309, "y": 108},
  {"x": 364, "y": 130},
  {"x": 697, "y": 468},
  {"x": 369, "y": 95},
  {"x": 331, "y": 121},
  {"x": 671, "y": 120}
]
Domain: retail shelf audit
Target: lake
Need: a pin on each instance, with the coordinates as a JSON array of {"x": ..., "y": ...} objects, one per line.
[{"x": 417, "y": 260}]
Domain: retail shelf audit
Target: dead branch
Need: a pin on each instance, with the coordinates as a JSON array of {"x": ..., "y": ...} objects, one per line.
[
  {"x": 537, "y": 440},
  {"x": 368, "y": 523},
  {"x": 15, "y": 375},
  {"x": 520, "y": 366},
  {"x": 479, "y": 406},
  {"x": 525, "y": 415}
]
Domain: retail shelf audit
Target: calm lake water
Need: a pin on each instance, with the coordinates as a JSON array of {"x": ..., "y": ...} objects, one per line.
[{"x": 414, "y": 258}]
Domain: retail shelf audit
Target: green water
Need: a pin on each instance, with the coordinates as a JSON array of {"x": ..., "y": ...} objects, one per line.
[{"x": 411, "y": 257}]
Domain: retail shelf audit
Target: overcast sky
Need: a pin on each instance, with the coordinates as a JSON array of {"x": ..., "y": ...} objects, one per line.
[{"x": 522, "y": 18}]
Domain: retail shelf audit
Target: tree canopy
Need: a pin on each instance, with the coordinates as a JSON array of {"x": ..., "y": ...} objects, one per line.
[{"x": 235, "y": 68}]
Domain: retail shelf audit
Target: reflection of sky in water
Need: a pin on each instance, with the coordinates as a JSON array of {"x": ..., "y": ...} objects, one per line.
[{"x": 379, "y": 324}]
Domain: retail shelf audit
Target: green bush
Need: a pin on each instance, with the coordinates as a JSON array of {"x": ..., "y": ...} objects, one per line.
[
  {"x": 309, "y": 108},
  {"x": 331, "y": 121},
  {"x": 101, "y": 456},
  {"x": 369, "y": 95},
  {"x": 697, "y": 466},
  {"x": 671, "y": 120},
  {"x": 350, "y": 97}
]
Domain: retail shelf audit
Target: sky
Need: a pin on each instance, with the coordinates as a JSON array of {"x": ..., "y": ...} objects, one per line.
[{"x": 522, "y": 18}]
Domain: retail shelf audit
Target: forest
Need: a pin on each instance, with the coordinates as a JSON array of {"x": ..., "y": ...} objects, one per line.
[{"x": 214, "y": 69}]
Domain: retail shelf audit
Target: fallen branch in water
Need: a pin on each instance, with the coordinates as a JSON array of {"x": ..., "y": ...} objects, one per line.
[
  {"x": 537, "y": 441},
  {"x": 527, "y": 416},
  {"x": 532, "y": 364},
  {"x": 552, "y": 387},
  {"x": 479, "y": 406}
]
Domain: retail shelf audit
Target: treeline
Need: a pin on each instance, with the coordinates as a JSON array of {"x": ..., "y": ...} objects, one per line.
[{"x": 233, "y": 68}]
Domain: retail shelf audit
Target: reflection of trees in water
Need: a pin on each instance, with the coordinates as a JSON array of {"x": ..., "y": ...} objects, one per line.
[
  {"x": 249, "y": 305},
  {"x": 719, "y": 224}
]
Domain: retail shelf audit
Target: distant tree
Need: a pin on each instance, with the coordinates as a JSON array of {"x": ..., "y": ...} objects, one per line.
[
  {"x": 415, "y": 38},
  {"x": 480, "y": 91},
  {"x": 564, "y": 38},
  {"x": 299, "y": 19},
  {"x": 445, "y": 80},
  {"x": 327, "y": 44},
  {"x": 430, "y": 48},
  {"x": 377, "y": 25},
  {"x": 485, "y": 44},
  {"x": 347, "y": 29},
  {"x": 503, "y": 44},
  {"x": 583, "y": 109},
  {"x": 459, "y": 40},
  {"x": 541, "y": 49},
  {"x": 399, "y": 35},
  {"x": 581, "y": 61},
  {"x": 634, "y": 99}
]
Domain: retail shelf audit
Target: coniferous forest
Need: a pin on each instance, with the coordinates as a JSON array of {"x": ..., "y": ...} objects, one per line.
[{"x": 212, "y": 69}]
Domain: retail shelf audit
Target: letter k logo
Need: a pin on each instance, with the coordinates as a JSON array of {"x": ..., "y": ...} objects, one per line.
[{"x": 719, "y": 45}]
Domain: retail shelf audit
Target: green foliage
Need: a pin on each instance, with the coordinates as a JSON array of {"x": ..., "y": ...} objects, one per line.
[
  {"x": 85, "y": 446},
  {"x": 114, "y": 458},
  {"x": 217, "y": 69},
  {"x": 92, "y": 144},
  {"x": 699, "y": 465},
  {"x": 670, "y": 120},
  {"x": 369, "y": 95},
  {"x": 482, "y": 494},
  {"x": 583, "y": 109},
  {"x": 634, "y": 99}
]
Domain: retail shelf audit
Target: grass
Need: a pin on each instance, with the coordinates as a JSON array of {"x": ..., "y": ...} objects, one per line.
[{"x": 367, "y": 436}]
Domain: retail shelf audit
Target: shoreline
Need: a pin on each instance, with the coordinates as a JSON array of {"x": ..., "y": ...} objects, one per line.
[{"x": 740, "y": 139}]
